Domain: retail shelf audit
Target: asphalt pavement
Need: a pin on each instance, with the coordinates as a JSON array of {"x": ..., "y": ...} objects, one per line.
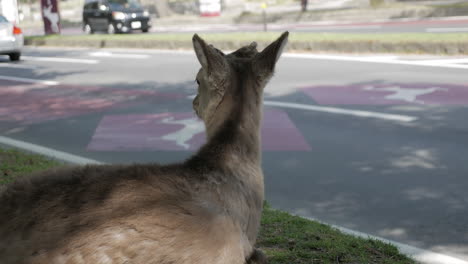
[{"x": 377, "y": 144}]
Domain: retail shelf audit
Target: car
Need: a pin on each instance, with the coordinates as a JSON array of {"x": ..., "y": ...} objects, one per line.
[
  {"x": 11, "y": 39},
  {"x": 115, "y": 16}
]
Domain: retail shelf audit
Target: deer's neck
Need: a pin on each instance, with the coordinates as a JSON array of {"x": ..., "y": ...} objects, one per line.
[{"x": 238, "y": 133}]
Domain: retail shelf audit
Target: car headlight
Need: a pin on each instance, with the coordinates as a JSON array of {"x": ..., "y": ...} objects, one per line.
[
  {"x": 118, "y": 15},
  {"x": 145, "y": 13}
]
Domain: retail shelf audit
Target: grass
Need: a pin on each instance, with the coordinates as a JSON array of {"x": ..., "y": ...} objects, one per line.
[
  {"x": 286, "y": 239},
  {"x": 292, "y": 239},
  {"x": 269, "y": 36},
  {"x": 452, "y": 5},
  {"x": 405, "y": 43},
  {"x": 14, "y": 163}
]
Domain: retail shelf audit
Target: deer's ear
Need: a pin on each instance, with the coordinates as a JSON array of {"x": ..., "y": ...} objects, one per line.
[
  {"x": 211, "y": 60},
  {"x": 266, "y": 60}
]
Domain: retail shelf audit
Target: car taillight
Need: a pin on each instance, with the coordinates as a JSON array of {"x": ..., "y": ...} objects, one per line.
[{"x": 17, "y": 30}]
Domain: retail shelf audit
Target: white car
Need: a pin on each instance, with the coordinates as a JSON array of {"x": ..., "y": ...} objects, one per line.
[{"x": 11, "y": 39}]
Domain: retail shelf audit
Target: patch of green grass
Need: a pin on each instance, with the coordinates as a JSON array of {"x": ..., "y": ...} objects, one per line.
[
  {"x": 14, "y": 163},
  {"x": 292, "y": 239},
  {"x": 269, "y": 36},
  {"x": 285, "y": 239},
  {"x": 452, "y": 5}
]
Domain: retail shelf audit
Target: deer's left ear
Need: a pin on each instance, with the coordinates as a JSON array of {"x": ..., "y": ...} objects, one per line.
[
  {"x": 266, "y": 60},
  {"x": 211, "y": 60}
]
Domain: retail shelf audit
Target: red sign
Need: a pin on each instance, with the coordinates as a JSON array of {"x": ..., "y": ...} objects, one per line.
[{"x": 51, "y": 16}]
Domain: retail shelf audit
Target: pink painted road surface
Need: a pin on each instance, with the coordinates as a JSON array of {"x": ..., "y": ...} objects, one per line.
[
  {"x": 389, "y": 94},
  {"x": 27, "y": 103},
  {"x": 183, "y": 131}
]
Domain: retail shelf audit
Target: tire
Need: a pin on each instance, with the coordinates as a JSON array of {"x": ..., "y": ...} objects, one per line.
[
  {"x": 15, "y": 56},
  {"x": 88, "y": 29},
  {"x": 145, "y": 30},
  {"x": 111, "y": 29}
]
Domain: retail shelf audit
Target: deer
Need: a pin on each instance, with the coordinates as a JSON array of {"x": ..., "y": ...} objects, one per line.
[{"x": 204, "y": 210}]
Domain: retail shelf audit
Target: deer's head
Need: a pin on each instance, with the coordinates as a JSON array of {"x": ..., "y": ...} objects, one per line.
[{"x": 232, "y": 80}]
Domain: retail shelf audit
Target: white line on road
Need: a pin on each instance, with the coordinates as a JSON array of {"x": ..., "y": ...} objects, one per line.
[
  {"x": 455, "y": 29},
  {"x": 341, "y": 111},
  {"x": 334, "y": 110},
  {"x": 107, "y": 54},
  {"x": 56, "y": 154},
  {"x": 18, "y": 66},
  {"x": 337, "y": 28},
  {"x": 18, "y": 79},
  {"x": 420, "y": 255},
  {"x": 390, "y": 59},
  {"x": 55, "y": 59},
  {"x": 448, "y": 61},
  {"x": 373, "y": 60}
]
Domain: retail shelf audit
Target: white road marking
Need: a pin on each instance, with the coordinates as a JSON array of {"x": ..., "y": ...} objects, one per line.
[
  {"x": 455, "y": 29},
  {"x": 337, "y": 28},
  {"x": 341, "y": 111},
  {"x": 107, "y": 54},
  {"x": 18, "y": 79},
  {"x": 407, "y": 94},
  {"x": 420, "y": 255},
  {"x": 383, "y": 57},
  {"x": 384, "y": 60},
  {"x": 19, "y": 66},
  {"x": 56, "y": 154},
  {"x": 448, "y": 61},
  {"x": 191, "y": 127},
  {"x": 55, "y": 59},
  {"x": 156, "y": 51},
  {"x": 390, "y": 59}
]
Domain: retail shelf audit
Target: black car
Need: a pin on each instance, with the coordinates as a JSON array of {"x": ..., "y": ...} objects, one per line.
[{"x": 115, "y": 16}]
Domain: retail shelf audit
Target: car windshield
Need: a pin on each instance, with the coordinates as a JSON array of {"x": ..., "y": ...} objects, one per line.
[
  {"x": 118, "y": 4},
  {"x": 3, "y": 19}
]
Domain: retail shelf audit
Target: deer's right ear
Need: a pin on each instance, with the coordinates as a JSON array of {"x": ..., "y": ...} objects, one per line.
[
  {"x": 210, "y": 59},
  {"x": 266, "y": 60}
]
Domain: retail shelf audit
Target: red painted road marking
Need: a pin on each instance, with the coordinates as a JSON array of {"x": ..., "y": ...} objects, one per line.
[
  {"x": 389, "y": 94},
  {"x": 183, "y": 131},
  {"x": 27, "y": 103}
]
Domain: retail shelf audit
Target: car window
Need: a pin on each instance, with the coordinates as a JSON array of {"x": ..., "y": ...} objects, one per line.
[
  {"x": 118, "y": 4},
  {"x": 3, "y": 19},
  {"x": 91, "y": 5}
]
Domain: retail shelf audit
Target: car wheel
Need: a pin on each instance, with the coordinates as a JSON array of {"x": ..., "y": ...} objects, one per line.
[
  {"x": 110, "y": 29},
  {"x": 145, "y": 30},
  {"x": 15, "y": 56},
  {"x": 87, "y": 29}
]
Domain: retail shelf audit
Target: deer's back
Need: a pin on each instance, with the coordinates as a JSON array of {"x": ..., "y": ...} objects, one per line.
[{"x": 114, "y": 214}]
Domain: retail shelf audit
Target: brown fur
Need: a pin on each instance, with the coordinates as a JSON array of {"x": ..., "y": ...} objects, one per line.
[{"x": 205, "y": 210}]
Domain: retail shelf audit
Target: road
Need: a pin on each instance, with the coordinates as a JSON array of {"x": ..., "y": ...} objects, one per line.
[
  {"x": 437, "y": 25},
  {"x": 376, "y": 144},
  {"x": 450, "y": 25}
]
